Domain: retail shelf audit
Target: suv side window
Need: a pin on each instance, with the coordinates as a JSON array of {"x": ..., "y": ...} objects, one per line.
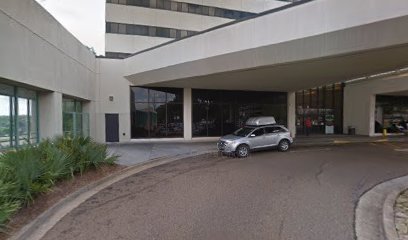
[
  {"x": 258, "y": 132},
  {"x": 270, "y": 130}
]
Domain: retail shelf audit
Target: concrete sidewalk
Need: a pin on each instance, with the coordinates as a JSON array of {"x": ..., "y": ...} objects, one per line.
[{"x": 134, "y": 153}]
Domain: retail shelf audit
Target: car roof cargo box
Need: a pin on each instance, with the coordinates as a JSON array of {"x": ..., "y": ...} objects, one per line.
[{"x": 260, "y": 121}]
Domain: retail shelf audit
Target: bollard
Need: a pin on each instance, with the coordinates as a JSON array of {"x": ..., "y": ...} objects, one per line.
[{"x": 384, "y": 132}]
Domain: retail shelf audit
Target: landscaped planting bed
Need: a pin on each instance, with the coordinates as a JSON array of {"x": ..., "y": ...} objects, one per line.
[{"x": 33, "y": 170}]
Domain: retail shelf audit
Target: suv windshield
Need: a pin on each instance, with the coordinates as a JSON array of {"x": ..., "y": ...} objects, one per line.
[{"x": 243, "y": 132}]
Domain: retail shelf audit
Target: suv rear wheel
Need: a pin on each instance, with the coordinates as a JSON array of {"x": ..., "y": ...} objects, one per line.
[
  {"x": 242, "y": 151},
  {"x": 284, "y": 145}
]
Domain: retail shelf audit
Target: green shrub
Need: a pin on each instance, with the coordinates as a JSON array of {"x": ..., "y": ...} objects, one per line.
[{"x": 31, "y": 170}]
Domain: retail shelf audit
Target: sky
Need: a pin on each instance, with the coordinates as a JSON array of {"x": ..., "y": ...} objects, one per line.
[{"x": 85, "y": 19}]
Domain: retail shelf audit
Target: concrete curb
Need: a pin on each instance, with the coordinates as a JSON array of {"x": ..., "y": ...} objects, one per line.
[
  {"x": 337, "y": 142},
  {"x": 374, "y": 218},
  {"x": 47, "y": 220}
]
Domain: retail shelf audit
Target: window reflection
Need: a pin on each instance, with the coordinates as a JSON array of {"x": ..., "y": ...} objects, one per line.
[
  {"x": 219, "y": 112},
  {"x": 324, "y": 106},
  {"x": 156, "y": 112},
  {"x": 18, "y": 116}
]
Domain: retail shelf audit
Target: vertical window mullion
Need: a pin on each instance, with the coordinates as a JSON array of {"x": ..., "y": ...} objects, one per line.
[
  {"x": 11, "y": 130},
  {"x": 16, "y": 113},
  {"x": 166, "y": 115},
  {"x": 28, "y": 122}
]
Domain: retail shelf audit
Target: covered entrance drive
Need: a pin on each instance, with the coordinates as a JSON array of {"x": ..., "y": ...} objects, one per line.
[{"x": 298, "y": 48}]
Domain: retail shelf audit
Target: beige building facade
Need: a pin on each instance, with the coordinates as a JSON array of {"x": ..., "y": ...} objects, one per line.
[{"x": 211, "y": 71}]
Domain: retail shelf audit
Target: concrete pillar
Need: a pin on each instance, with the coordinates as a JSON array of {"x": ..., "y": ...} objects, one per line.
[
  {"x": 371, "y": 115},
  {"x": 89, "y": 108},
  {"x": 292, "y": 113},
  {"x": 187, "y": 114},
  {"x": 50, "y": 114}
]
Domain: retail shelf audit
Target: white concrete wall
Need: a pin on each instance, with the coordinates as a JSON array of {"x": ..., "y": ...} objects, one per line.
[
  {"x": 50, "y": 114},
  {"x": 359, "y": 101},
  {"x": 38, "y": 52},
  {"x": 112, "y": 83},
  {"x": 259, "y": 39}
]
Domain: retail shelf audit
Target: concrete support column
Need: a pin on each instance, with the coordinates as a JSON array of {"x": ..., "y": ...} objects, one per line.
[
  {"x": 292, "y": 113},
  {"x": 371, "y": 115},
  {"x": 50, "y": 114},
  {"x": 187, "y": 114},
  {"x": 89, "y": 108}
]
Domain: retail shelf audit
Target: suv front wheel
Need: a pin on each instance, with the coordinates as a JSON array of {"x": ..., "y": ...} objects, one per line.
[{"x": 242, "y": 151}]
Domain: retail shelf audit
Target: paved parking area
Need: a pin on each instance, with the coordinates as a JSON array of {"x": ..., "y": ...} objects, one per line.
[
  {"x": 134, "y": 153},
  {"x": 308, "y": 193}
]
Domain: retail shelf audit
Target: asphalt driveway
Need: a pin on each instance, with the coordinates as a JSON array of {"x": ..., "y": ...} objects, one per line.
[{"x": 308, "y": 193}]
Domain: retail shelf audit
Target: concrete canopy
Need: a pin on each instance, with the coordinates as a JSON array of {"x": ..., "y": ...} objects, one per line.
[{"x": 311, "y": 44}]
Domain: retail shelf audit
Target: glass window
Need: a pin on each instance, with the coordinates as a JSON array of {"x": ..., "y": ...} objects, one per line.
[
  {"x": 219, "y": 112},
  {"x": 258, "y": 132},
  {"x": 324, "y": 105},
  {"x": 18, "y": 116},
  {"x": 139, "y": 94},
  {"x": 114, "y": 27},
  {"x": 74, "y": 121},
  {"x": 205, "y": 10},
  {"x": 219, "y": 12},
  {"x": 211, "y": 11},
  {"x": 173, "y": 33},
  {"x": 269, "y": 130},
  {"x": 5, "y": 121},
  {"x": 184, "y": 7},
  {"x": 157, "y": 96},
  {"x": 179, "y": 7},
  {"x": 162, "y": 32},
  {"x": 167, "y": 5},
  {"x": 160, "y": 4},
  {"x": 391, "y": 113},
  {"x": 152, "y": 31},
  {"x": 174, "y": 6},
  {"x": 156, "y": 112},
  {"x": 153, "y": 3},
  {"x": 183, "y": 33}
]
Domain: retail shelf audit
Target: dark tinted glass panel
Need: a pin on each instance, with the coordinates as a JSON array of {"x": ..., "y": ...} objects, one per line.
[
  {"x": 139, "y": 94},
  {"x": 258, "y": 132},
  {"x": 175, "y": 120},
  {"x": 174, "y": 95},
  {"x": 185, "y": 7},
  {"x": 219, "y": 12},
  {"x": 160, "y": 4},
  {"x": 391, "y": 113},
  {"x": 158, "y": 120},
  {"x": 140, "y": 120},
  {"x": 205, "y": 10},
  {"x": 156, "y": 112},
  {"x": 162, "y": 32},
  {"x": 217, "y": 112},
  {"x": 167, "y": 5},
  {"x": 324, "y": 106},
  {"x": 157, "y": 96}
]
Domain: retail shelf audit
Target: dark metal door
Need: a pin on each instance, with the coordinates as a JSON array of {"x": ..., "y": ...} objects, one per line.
[{"x": 112, "y": 127}]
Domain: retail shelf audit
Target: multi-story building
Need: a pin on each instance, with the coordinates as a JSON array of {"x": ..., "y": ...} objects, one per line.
[
  {"x": 341, "y": 66},
  {"x": 136, "y": 25}
]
